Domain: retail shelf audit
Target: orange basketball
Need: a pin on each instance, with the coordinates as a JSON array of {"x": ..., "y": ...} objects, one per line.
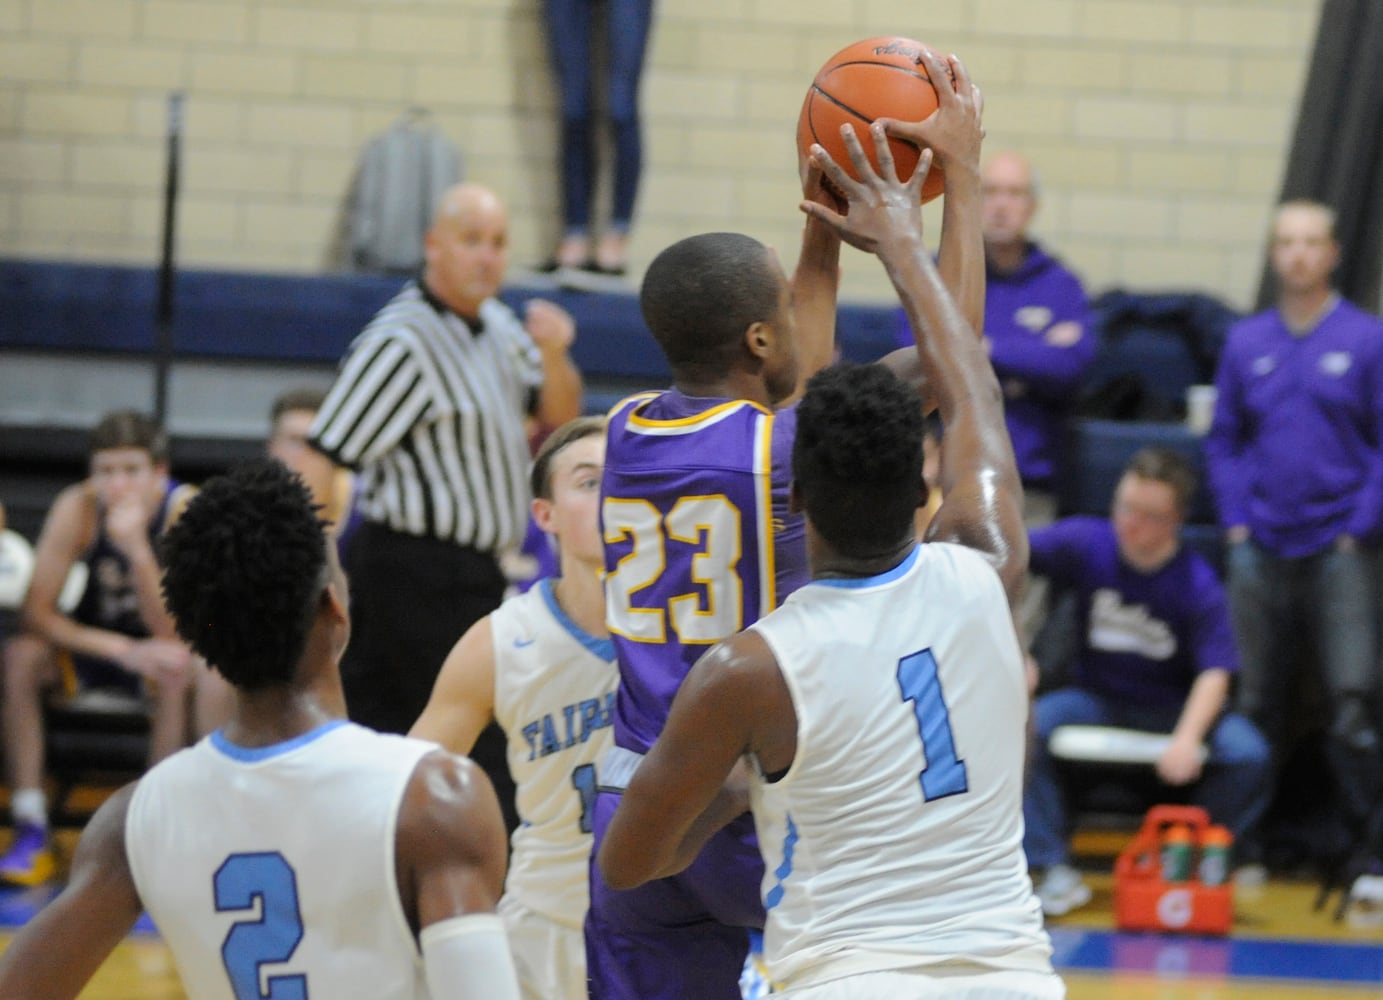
[{"x": 875, "y": 78}]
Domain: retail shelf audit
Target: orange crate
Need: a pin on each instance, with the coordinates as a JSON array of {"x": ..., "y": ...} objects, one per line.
[{"x": 1143, "y": 901}]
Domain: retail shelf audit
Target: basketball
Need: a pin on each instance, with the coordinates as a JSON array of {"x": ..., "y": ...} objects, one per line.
[{"x": 875, "y": 78}]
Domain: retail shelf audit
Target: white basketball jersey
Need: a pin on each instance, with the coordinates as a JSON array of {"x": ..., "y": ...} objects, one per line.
[
  {"x": 554, "y": 694},
  {"x": 895, "y": 839},
  {"x": 278, "y": 864}
]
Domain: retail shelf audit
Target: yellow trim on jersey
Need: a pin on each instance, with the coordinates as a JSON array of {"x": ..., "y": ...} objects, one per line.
[
  {"x": 714, "y": 414},
  {"x": 768, "y": 591},
  {"x": 638, "y": 397}
]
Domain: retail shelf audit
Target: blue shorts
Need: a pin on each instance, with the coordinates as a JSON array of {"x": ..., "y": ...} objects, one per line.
[{"x": 678, "y": 938}]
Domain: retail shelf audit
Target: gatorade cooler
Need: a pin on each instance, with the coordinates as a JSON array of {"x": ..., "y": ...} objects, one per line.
[{"x": 1146, "y": 901}]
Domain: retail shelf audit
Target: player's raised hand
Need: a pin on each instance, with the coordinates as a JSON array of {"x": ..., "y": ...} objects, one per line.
[
  {"x": 882, "y": 209},
  {"x": 815, "y": 188},
  {"x": 954, "y": 131}
]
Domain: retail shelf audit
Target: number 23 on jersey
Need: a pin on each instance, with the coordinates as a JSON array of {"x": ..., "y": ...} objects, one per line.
[{"x": 710, "y": 525}]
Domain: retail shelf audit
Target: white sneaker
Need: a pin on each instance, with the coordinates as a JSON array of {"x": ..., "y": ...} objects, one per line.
[
  {"x": 1062, "y": 890},
  {"x": 1366, "y": 901}
]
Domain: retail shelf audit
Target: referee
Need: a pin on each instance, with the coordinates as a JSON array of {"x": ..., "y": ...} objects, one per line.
[{"x": 430, "y": 407}]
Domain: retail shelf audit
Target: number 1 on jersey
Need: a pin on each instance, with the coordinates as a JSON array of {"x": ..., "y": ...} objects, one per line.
[{"x": 919, "y": 683}]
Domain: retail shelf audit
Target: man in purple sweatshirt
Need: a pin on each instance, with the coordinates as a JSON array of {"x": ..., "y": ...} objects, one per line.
[
  {"x": 1295, "y": 454},
  {"x": 1035, "y": 329}
]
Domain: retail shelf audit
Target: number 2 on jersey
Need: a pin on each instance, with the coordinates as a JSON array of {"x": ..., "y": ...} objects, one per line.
[
  {"x": 919, "y": 683},
  {"x": 711, "y": 522},
  {"x": 272, "y": 938}
]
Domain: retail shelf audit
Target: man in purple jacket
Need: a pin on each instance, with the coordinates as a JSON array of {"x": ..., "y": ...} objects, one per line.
[
  {"x": 1295, "y": 453},
  {"x": 1035, "y": 328},
  {"x": 1035, "y": 313},
  {"x": 1156, "y": 654}
]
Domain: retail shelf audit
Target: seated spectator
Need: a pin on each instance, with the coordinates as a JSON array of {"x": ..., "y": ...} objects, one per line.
[
  {"x": 118, "y": 637},
  {"x": 1156, "y": 653},
  {"x": 332, "y": 487},
  {"x": 1036, "y": 329}
]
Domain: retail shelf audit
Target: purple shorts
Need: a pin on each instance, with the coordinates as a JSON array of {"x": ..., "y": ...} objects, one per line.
[{"x": 679, "y": 938}]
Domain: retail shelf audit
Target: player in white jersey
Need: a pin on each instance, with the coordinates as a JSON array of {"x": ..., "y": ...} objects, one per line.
[
  {"x": 291, "y": 851},
  {"x": 881, "y": 709},
  {"x": 543, "y": 667}
]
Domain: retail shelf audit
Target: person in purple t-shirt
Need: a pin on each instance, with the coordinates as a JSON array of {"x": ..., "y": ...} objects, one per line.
[
  {"x": 1156, "y": 654},
  {"x": 1295, "y": 453},
  {"x": 1035, "y": 327}
]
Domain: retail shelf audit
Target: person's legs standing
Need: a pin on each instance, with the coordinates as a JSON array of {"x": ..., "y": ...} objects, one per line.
[
  {"x": 1260, "y": 589},
  {"x": 1343, "y": 604},
  {"x": 629, "y": 23},
  {"x": 569, "y": 42},
  {"x": 411, "y": 600}
]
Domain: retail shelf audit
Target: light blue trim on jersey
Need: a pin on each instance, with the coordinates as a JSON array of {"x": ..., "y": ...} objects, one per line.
[
  {"x": 775, "y": 895},
  {"x": 253, "y": 755},
  {"x": 888, "y": 576},
  {"x": 602, "y": 648}
]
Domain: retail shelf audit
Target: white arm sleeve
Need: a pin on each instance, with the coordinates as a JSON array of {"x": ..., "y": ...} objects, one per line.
[{"x": 467, "y": 958}]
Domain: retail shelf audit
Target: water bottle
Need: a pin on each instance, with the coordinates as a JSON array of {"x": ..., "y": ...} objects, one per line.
[
  {"x": 1177, "y": 851},
  {"x": 1215, "y": 849}
]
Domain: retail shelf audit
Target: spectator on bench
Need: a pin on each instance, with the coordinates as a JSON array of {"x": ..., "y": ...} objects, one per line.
[
  {"x": 1155, "y": 653},
  {"x": 1036, "y": 329},
  {"x": 118, "y": 637}
]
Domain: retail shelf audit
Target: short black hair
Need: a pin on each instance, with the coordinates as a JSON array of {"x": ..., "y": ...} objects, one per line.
[
  {"x": 244, "y": 568},
  {"x": 576, "y": 429},
  {"x": 857, "y": 459},
  {"x": 702, "y": 293},
  {"x": 1165, "y": 465},
  {"x": 130, "y": 429}
]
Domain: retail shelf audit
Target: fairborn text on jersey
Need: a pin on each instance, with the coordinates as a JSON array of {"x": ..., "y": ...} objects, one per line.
[{"x": 579, "y": 722}]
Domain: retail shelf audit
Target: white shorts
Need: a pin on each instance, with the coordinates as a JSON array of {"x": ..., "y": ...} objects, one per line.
[
  {"x": 917, "y": 985},
  {"x": 550, "y": 957}
]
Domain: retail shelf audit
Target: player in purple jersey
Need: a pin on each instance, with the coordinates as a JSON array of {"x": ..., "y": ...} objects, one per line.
[{"x": 700, "y": 540}]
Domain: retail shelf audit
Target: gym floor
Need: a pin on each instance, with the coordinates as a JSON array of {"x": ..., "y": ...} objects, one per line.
[{"x": 1280, "y": 947}]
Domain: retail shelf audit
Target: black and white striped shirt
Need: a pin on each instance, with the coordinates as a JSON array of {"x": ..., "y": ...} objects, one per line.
[{"x": 432, "y": 415}]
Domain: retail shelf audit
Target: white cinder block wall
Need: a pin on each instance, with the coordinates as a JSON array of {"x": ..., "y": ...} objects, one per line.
[{"x": 1160, "y": 127}]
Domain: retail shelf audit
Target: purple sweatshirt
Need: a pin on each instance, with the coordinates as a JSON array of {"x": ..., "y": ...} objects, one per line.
[
  {"x": 1145, "y": 637},
  {"x": 1039, "y": 378},
  {"x": 1295, "y": 451}
]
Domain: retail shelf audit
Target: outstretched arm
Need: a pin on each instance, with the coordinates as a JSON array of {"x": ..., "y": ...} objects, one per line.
[
  {"x": 733, "y": 702},
  {"x": 815, "y": 283},
  {"x": 982, "y": 498},
  {"x": 463, "y": 698},
  {"x": 58, "y": 951}
]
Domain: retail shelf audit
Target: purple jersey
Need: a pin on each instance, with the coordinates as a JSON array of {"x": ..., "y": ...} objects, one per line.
[
  {"x": 1144, "y": 636},
  {"x": 698, "y": 540}
]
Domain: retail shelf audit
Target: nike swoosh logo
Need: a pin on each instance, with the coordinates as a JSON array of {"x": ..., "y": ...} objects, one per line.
[{"x": 521, "y": 643}]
